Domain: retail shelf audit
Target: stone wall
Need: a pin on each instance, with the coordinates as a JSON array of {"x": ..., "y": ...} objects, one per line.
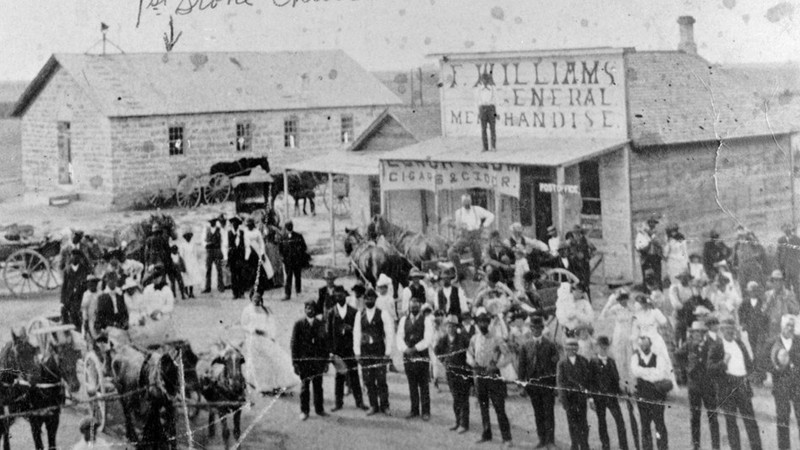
[
  {"x": 63, "y": 100},
  {"x": 615, "y": 199},
  {"x": 752, "y": 187},
  {"x": 141, "y": 153}
]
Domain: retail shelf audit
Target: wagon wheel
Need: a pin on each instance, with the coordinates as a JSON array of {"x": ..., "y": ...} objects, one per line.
[
  {"x": 218, "y": 189},
  {"x": 26, "y": 271},
  {"x": 341, "y": 206},
  {"x": 562, "y": 276},
  {"x": 55, "y": 279},
  {"x": 94, "y": 387},
  {"x": 188, "y": 193}
]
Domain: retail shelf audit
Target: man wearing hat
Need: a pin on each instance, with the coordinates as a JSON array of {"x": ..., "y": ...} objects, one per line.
[
  {"x": 538, "y": 361},
  {"x": 111, "y": 308},
  {"x": 340, "y": 321},
  {"x": 789, "y": 258},
  {"x": 89, "y": 439},
  {"x": 730, "y": 363},
  {"x": 451, "y": 298},
  {"x": 754, "y": 320},
  {"x": 295, "y": 258},
  {"x": 72, "y": 288},
  {"x": 325, "y": 299},
  {"x": 133, "y": 301},
  {"x": 714, "y": 251},
  {"x": 452, "y": 351},
  {"x": 414, "y": 289},
  {"x": 469, "y": 220},
  {"x": 386, "y": 301},
  {"x": 680, "y": 295},
  {"x": 310, "y": 350},
  {"x": 553, "y": 241},
  {"x": 157, "y": 297},
  {"x": 88, "y": 305},
  {"x": 650, "y": 249},
  {"x": 606, "y": 386},
  {"x": 415, "y": 335},
  {"x": 582, "y": 252},
  {"x": 236, "y": 261},
  {"x": 486, "y": 353},
  {"x": 785, "y": 368},
  {"x": 373, "y": 341},
  {"x": 214, "y": 257},
  {"x": 573, "y": 382},
  {"x": 693, "y": 355},
  {"x": 649, "y": 370},
  {"x": 779, "y": 302}
]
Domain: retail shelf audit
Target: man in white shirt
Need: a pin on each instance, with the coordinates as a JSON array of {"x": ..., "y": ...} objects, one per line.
[
  {"x": 414, "y": 336},
  {"x": 487, "y": 113},
  {"x": 730, "y": 363},
  {"x": 648, "y": 369},
  {"x": 469, "y": 221},
  {"x": 373, "y": 340},
  {"x": 157, "y": 298}
]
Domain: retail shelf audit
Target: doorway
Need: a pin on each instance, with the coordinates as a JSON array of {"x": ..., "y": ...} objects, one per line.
[
  {"x": 64, "y": 153},
  {"x": 535, "y": 206}
]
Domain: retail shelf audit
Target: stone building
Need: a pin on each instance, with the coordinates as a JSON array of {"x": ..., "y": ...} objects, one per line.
[
  {"x": 602, "y": 138},
  {"x": 110, "y": 127}
]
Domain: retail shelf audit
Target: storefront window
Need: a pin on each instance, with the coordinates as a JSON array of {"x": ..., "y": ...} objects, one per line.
[
  {"x": 480, "y": 197},
  {"x": 590, "y": 188}
]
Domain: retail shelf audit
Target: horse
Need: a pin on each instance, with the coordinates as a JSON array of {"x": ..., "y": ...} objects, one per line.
[
  {"x": 417, "y": 247},
  {"x": 301, "y": 187},
  {"x": 374, "y": 258},
  {"x": 46, "y": 394},
  {"x": 240, "y": 167},
  {"x": 147, "y": 382},
  {"x": 17, "y": 361},
  {"x": 223, "y": 381}
]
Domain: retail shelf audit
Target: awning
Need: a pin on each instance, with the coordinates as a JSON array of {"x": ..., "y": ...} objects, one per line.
[
  {"x": 342, "y": 162},
  {"x": 550, "y": 152}
]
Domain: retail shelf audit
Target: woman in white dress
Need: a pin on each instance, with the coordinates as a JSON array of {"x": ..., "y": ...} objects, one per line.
[
  {"x": 619, "y": 309},
  {"x": 676, "y": 254},
  {"x": 189, "y": 252},
  {"x": 268, "y": 368},
  {"x": 647, "y": 319}
]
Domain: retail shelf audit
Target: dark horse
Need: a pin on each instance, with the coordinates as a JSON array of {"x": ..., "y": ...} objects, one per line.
[
  {"x": 301, "y": 187},
  {"x": 417, "y": 247},
  {"x": 372, "y": 258},
  {"x": 240, "y": 167},
  {"x": 223, "y": 381},
  {"x": 37, "y": 386},
  {"x": 147, "y": 382}
]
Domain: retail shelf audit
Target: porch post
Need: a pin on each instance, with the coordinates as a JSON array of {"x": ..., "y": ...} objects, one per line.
[
  {"x": 561, "y": 206},
  {"x": 436, "y": 207},
  {"x": 285, "y": 194},
  {"x": 496, "y": 209},
  {"x": 333, "y": 224}
]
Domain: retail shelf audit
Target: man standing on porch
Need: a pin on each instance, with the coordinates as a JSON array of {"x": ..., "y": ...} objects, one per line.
[{"x": 469, "y": 221}]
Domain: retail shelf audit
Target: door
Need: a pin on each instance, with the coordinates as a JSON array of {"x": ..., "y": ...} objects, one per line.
[
  {"x": 374, "y": 195},
  {"x": 535, "y": 207},
  {"x": 64, "y": 153},
  {"x": 542, "y": 210}
]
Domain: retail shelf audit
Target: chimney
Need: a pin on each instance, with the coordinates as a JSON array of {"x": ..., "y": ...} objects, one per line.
[{"x": 687, "y": 44}]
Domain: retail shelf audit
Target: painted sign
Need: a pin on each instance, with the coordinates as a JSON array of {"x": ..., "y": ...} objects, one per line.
[
  {"x": 421, "y": 175},
  {"x": 570, "y": 96},
  {"x": 559, "y": 188}
]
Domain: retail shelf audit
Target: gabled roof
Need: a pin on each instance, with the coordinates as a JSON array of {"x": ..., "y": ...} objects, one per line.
[
  {"x": 420, "y": 123},
  {"x": 675, "y": 97},
  {"x": 144, "y": 84}
]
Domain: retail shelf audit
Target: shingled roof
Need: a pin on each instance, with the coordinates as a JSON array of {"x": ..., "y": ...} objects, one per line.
[
  {"x": 675, "y": 97},
  {"x": 145, "y": 84}
]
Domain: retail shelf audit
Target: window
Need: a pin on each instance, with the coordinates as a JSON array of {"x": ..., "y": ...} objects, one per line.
[
  {"x": 347, "y": 128},
  {"x": 590, "y": 188},
  {"x": 290, "y": 132},
  {"x": 480, "y": 197},
  {"x": 176, "y": 143},
  {"x": 244, "y": 136}
]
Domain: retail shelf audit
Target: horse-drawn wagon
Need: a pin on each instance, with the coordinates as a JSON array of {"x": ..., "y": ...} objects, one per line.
[{"x": 29, "y": 262}]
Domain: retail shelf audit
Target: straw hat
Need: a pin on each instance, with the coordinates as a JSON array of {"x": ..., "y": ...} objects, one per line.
[
  {"x": 698, "y": 325},
  {"x": 129, "y": 284},
  {"x": 383, "y": 280}
]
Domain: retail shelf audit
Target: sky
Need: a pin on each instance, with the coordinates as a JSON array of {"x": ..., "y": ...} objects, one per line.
[{"x": 394, "y": 34}]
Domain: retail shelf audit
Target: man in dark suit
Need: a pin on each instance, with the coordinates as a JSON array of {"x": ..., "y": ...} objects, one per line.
[
  {"x": 730, "y": 363},
  {"x": 785, "y": 368},
  {"x": 582, "y": 252},
  {"x": 649, "y": 369},
  {"x": 373, "y": 336},
  {"x": 755, "y": 322},
  {"x": 295, "y": 258},
  {"x": 538, "y": 361},
  {"x": 214, "y": 255},
  {"x": 326, "y": 299},
  {"x": 72, "y": 288},
  {"x": 605, "y": 386},
  {"x": 693, "y": 354},
  {"x": 111, "y": 309},
  {"x": 573, "y": 380},
  {"x": 339, "y": 323},
  {"x": 236, "y": 261},
  {"x": 565, "y": 260},
  {"x": 414, "y": 335},
  {"x": 310, "y": 358},
  {"x": 714, "y": 251},
  {"x": 452, "y": 352},
  {"x": 789, "y": 258}
]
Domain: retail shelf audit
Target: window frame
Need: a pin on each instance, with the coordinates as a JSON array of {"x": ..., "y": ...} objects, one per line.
[
  {"x": 171, "y": 139},
  {"x": 344, "y": 129},
  {"x": 291, "y": 128},
  {"x": 244, "y": 132}
]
